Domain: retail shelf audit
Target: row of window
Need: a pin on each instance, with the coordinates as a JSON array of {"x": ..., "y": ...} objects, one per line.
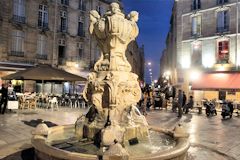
[
  {"x": 19, "y": 15},
  {"x": 222, "y": 55},
  {"x": 196, "y": 4},
  {"x": 17, "y": 49},
  {"x": 222, "y": 24}
]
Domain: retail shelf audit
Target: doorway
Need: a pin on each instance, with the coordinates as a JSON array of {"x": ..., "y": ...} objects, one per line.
[{"x": 61, "y": 54}]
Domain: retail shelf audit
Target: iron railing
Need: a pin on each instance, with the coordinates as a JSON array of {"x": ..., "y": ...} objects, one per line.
[
  {"x": 19, "y": 19},
  {"x": 16, "y": 53}
]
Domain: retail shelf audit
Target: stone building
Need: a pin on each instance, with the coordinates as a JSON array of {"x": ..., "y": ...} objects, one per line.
[
  {"x": 48, "y": 31},
  {"x": 135, "y": 56},
  {"x": 53, "y": 32},
  {"x": 204, "y": 48}
]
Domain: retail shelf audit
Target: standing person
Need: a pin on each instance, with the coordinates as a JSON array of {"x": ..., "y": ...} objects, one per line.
[
  {"x": 180, "y": 102},
  {"x": 4, "y": 98},
  {"x": 184, "y": 99},
  {"x": 189, "y": 104},
  {"x": 144, "y": 105}
]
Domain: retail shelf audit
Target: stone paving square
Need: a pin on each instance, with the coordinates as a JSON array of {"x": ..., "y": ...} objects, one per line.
[{"x": 211, "y": 138}]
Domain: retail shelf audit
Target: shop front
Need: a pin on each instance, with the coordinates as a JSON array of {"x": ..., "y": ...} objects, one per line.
[{"x": 217, "y": 85}]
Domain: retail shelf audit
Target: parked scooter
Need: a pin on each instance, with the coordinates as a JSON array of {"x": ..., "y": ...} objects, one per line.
[
  {"x": 227, "y": 110},
  {"x": 210, "y": 108}
]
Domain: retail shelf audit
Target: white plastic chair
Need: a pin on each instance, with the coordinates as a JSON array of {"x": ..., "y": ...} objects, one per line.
[{"x": 53, "y": 103}]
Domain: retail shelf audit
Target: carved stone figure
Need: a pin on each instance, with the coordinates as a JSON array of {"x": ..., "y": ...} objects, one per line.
[{"x": 112, "y": 88}]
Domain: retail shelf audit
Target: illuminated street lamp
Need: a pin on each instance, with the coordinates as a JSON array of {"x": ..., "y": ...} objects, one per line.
[
  {"x": 149, "y": 63},
  {"x": 150, "y": 70}
]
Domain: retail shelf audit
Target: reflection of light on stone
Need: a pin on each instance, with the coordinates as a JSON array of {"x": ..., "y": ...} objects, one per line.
[
  {"x": 208, "y": 61},
  {"x": 76, "y": 65},
  {"x": 220, "y": 75},
  {"x": 195, "y": 75},
  {"x": 221, "y": 68},
  {"x": 168, "y": 73},
  {"x": 190, "y": 87},
  {"x": 192, "y": 132},
  {"x": 196, "y": 45},
  {"x": 185, "y": 62}
]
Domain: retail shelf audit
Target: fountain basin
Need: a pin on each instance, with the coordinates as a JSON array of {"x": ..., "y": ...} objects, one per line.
[{"x": 45, "y": 149}]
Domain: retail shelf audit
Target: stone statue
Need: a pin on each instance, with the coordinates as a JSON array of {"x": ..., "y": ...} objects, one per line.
[{"x": 112, "y": 88}]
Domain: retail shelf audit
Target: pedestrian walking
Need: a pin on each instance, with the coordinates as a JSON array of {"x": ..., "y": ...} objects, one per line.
[
  {"x": 180, "y": 102},
  {"x": 4, "y": 98}
]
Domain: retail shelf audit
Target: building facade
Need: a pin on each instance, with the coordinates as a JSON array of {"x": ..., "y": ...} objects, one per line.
[
  {"x": 135, "y": 56},
  {"x": 204, "y": 41},
  {"x": 52, "y": 32}
]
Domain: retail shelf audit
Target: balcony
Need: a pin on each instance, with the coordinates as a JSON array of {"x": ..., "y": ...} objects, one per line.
[
  {"x": 195, "y": 7},
  {"x": 222, "y": 29},
  {"x": 19, "y": 19},
  {"x": 42, "y": 25},
  {"x": 222, "y": 2},
  {"x": 82, "y": 8},
  {"x": 42, "y": 56},
  {"x": 65, "y": 2},
  {"x": 63, "y": 29},
  {"x": 16, "y": 53},
  {"x": 196, "y": 35},
  {"x": 81, "y": 34}
]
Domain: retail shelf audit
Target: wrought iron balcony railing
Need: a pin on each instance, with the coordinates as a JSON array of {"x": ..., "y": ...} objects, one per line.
[
  {"x": 19, "y": 19},
  {"x": 43, "y": 25},
  {"x": 16, "y": 53},
  {"x": 221, "y": 29},
  {"x": 81, "y": 33},
  {"x": 42, "y": 56}
]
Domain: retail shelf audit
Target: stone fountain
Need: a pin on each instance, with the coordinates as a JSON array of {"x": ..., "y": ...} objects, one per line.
[{"x": 113, "y": 122}]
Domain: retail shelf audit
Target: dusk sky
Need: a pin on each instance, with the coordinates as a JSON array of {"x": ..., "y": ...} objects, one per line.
[{"x": 154, "y": 22}]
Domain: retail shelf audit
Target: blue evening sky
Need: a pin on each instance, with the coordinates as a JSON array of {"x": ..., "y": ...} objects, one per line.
[{"x": 154, "y": 23}]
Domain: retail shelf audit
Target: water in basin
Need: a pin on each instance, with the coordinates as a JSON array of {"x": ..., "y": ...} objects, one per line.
[{"x": 155, "y": 143}]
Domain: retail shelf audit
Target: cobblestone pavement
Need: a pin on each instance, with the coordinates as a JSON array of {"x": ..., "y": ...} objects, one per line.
[{"x": 211, "y": 138}]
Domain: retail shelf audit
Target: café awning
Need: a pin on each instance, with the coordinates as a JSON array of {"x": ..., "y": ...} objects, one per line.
[
  {"x": 217, "y": 81},
  {"x": 44, "y": 72}
]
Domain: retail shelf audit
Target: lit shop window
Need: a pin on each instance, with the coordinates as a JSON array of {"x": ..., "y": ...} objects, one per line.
[{"x": 223, "y": 51}]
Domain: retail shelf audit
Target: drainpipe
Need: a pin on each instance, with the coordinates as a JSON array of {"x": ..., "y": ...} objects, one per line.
[
  {"x": 236, "y": 54},
  {"x": 54, "y": 33}
]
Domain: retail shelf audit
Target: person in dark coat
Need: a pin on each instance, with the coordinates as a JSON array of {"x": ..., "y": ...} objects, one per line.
[
  {"x": 180, "y": 102},
  {"x": 184, "y": 99},
  {"x": 4, "y": 98},
  {"x": 189, "y": 104}
]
